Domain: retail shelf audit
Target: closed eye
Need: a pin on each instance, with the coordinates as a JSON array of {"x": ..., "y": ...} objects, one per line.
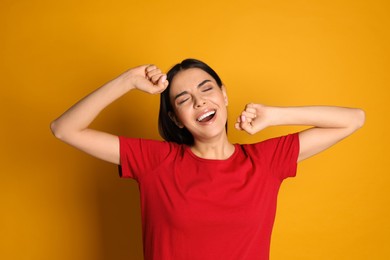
[
  {"x": 182, "y": 101},
  {"x": 207, "y": 88}
]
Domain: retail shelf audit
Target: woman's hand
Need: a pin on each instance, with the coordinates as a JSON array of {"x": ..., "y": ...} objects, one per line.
[
  {"x": 147, "y": 78},
  {"x": 253, "y": 119}
]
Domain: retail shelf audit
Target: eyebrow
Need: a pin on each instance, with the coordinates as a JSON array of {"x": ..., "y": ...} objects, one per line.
[{"x": 186, "y": 92}]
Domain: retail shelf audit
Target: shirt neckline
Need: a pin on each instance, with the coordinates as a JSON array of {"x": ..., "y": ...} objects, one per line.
[{"x": 230, "y": 158}]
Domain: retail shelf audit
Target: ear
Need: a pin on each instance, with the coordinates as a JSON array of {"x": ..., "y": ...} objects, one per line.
[
  {"x": 225, "y": 95},
  {"x": 173, "y": 117}
]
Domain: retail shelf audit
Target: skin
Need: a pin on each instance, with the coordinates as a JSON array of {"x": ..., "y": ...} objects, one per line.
[
  {"x": 193, "y": 93},
  {"x": 329, "y": 124}
]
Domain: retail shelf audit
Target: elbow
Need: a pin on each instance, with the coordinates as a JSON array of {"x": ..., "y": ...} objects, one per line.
[
  {"x": 360, "y": 118},
  {"x": 356, "y": 120},
  {"x": 63, "y": 131},
  {"x": 56, "y": 130}
]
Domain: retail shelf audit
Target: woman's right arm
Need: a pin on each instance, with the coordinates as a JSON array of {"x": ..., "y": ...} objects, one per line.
[{"x": 72, "y": 126}]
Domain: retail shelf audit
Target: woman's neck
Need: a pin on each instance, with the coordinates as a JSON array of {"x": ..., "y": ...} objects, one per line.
[{"x": 213, "y": 149}]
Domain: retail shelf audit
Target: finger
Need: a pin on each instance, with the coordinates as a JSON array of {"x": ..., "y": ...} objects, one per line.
[
  {"x": 251, "y": 111},
  {"x": 156, "y": 78},
  {"x": 250, "y": 106},
  {"x": 249, "y": 115},
  {"x": 152, "y": 71},
  {"x": 237, "y": 126},
  {"x": 247, "y": 127},
  {"x": 162, "y": 81},
  {"x": 150, "y": 67},
  {"x": 246, "y": 124},
  {"x": 161, "y": 84},
  {"x": 238, "y": 122}
]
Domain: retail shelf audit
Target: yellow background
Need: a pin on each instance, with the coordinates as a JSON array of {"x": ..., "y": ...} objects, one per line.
[{"x": 58, "y": 203}]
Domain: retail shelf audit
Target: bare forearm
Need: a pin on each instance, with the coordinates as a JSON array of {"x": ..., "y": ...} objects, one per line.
[
  {"x": 72, "y": 126},
  {"x": 147, "y": 78},
  {"x": 81, "y": 115},
  {"x": 256, "y": 117},
  {"x": 317, "y": 116},
  {"x": 328, "y": 124}
]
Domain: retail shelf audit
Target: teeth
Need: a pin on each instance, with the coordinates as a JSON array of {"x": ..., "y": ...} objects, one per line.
[{"x": 206, "y": 115}]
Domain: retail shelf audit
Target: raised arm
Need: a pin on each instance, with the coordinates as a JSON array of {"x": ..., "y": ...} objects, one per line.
[
  {"x": 329, "y": 124},
  {"x": 72, "y": 126}
]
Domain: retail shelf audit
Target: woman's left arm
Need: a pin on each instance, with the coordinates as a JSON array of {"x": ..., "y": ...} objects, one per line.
[{"x": 329, "y": 124}]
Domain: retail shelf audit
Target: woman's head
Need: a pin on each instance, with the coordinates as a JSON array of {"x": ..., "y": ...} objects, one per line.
[{"x": 169, "y": 127}]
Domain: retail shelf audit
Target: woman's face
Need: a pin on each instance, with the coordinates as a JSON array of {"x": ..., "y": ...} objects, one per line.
[{"x": 199, "y": 103}]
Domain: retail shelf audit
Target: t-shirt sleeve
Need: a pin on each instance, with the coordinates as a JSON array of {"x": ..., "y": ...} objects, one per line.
[
  {"x": 139, "y": 156},
  {"x": 282, "y": 154}
]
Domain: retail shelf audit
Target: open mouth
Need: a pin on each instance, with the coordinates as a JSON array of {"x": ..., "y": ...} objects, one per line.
[{"x": 206, "y": 116}]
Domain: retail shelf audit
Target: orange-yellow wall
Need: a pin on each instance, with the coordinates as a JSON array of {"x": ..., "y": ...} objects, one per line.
[{"x": 57, "y": 203}]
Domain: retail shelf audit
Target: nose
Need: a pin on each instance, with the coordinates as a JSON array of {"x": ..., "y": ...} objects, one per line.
[{"x": 199, "y": 102}]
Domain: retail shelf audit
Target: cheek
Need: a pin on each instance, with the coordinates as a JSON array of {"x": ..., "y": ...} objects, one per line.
[
  {"x": 220, "y": 99},
  {"x": 181, "y": 114}
]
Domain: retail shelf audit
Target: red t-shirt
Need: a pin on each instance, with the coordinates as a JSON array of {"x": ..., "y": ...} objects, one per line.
[{"x": 200, "y": 209}]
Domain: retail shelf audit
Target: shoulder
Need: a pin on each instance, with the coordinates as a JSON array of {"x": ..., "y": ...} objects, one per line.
[
  {"x": 269, "y": 146},
  {"x": 279, "y": 153},
  {"x": 142, "y": 142},
  {"x": 139, "y": 156},
  {"x": 147, "y": 147},
  {"x": 289, "y": 138}
]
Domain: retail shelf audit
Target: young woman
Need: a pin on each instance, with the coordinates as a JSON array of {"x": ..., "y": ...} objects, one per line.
[{"x": 203, "y": 197}]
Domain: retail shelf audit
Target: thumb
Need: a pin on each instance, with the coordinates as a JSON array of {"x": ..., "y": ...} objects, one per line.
[
  {"x": 161, "y": 84},
  {"x": 246, "y": 124},
  {"x": 163, "y": 79}
]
